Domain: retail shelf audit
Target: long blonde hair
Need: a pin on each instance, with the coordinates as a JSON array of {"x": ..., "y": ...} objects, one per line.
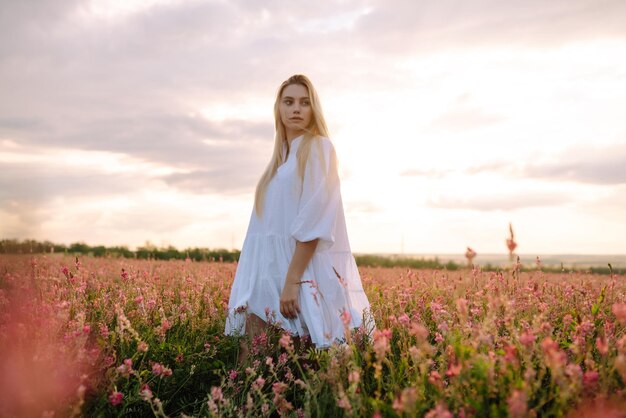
[{"x": 316, "y": 129}]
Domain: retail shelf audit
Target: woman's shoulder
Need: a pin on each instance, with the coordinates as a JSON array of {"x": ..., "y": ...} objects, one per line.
[{"x": 326, "y": 144}]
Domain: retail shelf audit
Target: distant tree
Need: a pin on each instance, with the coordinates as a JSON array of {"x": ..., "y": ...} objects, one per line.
[{"x": 79, "y": 247}]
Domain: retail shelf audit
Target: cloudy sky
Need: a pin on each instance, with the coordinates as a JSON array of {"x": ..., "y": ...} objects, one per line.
[{"x": 125, "y": 121}]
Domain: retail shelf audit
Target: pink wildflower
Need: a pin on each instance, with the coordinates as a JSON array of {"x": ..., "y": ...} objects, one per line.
[
  {"x": 546, "y": 328},
  {"x": 602, "y": 345},
  {"x": 145, "y": 393},
  {"x": 454, "y": 369},
  {"x": 470, "y": 254},
  {"x": 279, "y": 387},
  {"x": 142, "y": 347},
  {"x": 590, "y": 379},
  {"x": 527, "y": 338},
  {"x": 258, "y": 383},
  {"x": 461, "y": 306},
  {"x": 346, "y": 317},
  {"x": 157, "y": 369},
  {"x": 554, "y": 358},
  {"x": 440, "y": 411},
  {"x": 286, "y": 342},
  {"x": 381, "y": 342},
  {"x": 405, "y": 402},
  {"x": 434, "y": 378},
  {"x": 574, "y": 372},
  {"x": 232, "y": 375},
  {"x": 344, "y": 403},
  {"x": 619, "y": 310},
  {"x": 517, "y": 404},
  {"x": 404, "y": 319},
  {"x": 115, "y": 398},
  {"x": 354, "y": 376},
  {"x": 281, "y": 403},
  {"x": 567, "y": 321},
  {"x": 282, "y": 359},
  {"x": 584, "y": 328},
  {"x": 437, "y": 308},
  {"x": 419, "y": 331},
  {"x": 510, "y": 355},
  {"x": 216, "y": 394},
  {"x": 104, "y": 331},
  {"x": 126, "y": 369}
]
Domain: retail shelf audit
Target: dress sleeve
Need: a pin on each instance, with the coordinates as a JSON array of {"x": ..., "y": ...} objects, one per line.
[{"x": 320, "y": 200}]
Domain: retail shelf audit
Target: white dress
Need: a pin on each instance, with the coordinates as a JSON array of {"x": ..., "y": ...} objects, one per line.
[{"x": 303, "y": 210}]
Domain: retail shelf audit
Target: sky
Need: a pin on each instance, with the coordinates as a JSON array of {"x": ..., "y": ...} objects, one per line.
[{"x": 124, "y": 121}]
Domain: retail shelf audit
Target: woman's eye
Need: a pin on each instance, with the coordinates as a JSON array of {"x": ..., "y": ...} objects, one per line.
[
  {"x": 306, "y": 103},
  {"x": 288, "y": 102}
]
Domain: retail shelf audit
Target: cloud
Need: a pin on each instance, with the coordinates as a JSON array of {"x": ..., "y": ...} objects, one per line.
[
  {"x": 605, "y": 165},
  {"x": 596, "y": 165},
  {"x": 135, "y": 84},
  {"x": 190, "y": 142},
  {"x": 503, "y": 201},
  {"x": 462, "y": 119},
  {"x": 228, "y": 180},
  {"x": 493, "y": 166},
  {"x": 37, "y": 186},
  {"x": 405, "y": 25},
  {"x": 600, "y": 165}
]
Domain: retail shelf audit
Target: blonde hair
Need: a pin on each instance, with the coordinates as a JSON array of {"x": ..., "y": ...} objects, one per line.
[{"x": 312, "y": 133}]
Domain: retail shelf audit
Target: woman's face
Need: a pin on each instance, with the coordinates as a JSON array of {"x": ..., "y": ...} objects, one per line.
[{"x": 295, "y": 109}]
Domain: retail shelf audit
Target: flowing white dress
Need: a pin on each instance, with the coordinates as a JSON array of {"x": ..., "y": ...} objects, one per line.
[{"x": 303, "y": 210}]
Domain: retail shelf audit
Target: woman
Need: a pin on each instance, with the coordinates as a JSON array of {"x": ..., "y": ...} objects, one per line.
[{"x": 296, "y": 269}]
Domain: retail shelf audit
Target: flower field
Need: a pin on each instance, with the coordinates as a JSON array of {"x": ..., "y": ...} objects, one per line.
[{"x": 125, "y": 337}]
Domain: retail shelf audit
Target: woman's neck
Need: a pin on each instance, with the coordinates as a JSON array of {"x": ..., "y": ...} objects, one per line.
[{"x": 291, "y": 135}]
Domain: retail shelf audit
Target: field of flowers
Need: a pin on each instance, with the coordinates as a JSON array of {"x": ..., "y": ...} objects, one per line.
[{"x": 121, "y": 337}]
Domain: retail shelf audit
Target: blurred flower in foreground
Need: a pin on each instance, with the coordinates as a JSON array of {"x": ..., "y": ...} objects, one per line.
[
  {"x": 40, "y": 371},
  {"x": 470, "y": 254},
  {"x": 510, "y": 243}
]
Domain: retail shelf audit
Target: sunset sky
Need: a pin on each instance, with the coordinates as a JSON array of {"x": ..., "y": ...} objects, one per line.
[{"x": 127, "y": 121}]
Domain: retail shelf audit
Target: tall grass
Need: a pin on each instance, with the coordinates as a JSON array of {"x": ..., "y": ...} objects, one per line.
[{"x": 115, "y": 337}]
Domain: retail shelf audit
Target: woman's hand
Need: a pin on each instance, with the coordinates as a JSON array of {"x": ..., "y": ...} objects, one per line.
[{"x": 289, "y": 305}]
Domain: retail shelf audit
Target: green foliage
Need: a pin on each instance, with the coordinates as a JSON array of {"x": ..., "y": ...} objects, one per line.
[
  {"x": 459, "y": 342},
  {"x": 417, "y": 263}
]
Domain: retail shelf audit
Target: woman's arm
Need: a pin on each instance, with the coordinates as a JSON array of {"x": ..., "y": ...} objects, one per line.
[{"x": 289, "y": 305}]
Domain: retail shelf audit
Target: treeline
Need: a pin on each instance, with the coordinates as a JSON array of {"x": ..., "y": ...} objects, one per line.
[
  {"x": 416, "y": 263},
  {"x": 148, "y": 251},
  {"x": 151, "y": 252},
  {"x": 421, "y": 263}
]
